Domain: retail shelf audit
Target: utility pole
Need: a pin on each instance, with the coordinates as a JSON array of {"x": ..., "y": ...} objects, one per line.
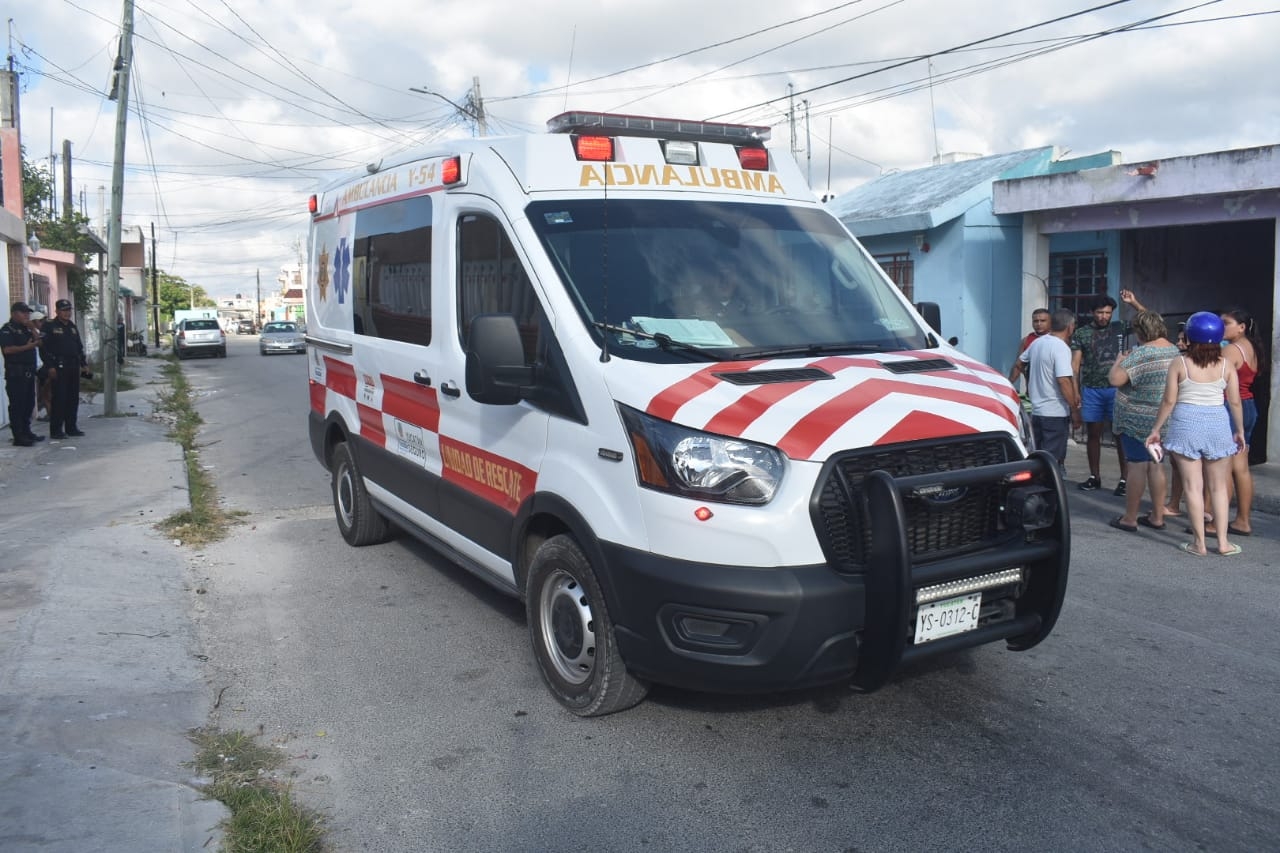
[
  {"x": 473, "y": 108},
  {"x": 808, "y": 147},
  {"x": 67, "y": 207},
  {"x": 477, "y": 108},
  {"x": 124, "y": 63},
  {"x": 155, "y": 290},
  {"x": 257, "y": 319},
  {"x": 791, "y": 116}
]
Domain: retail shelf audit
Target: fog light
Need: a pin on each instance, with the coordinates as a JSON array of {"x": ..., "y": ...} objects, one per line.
[{"x": 1030, "y": 507}]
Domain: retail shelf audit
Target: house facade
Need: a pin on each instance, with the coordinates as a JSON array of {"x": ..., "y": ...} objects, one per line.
[{"x": 992, "y": 238}]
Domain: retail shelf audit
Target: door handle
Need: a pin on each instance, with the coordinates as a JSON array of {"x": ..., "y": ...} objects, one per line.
[
  {"x": 421, "y": 378},
  {"x": 450, "y": 390}
]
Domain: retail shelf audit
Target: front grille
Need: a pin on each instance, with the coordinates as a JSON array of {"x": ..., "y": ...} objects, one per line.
[{"x": 935, "y": 528}]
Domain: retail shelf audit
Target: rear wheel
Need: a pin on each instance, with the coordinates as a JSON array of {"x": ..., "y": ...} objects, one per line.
[
  {"x": 572, "y": 633},
  {"x": 358, "y": 521}
]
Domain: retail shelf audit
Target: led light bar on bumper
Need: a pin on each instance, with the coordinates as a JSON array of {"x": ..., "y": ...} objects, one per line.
[{"x": 951, "y": 589}]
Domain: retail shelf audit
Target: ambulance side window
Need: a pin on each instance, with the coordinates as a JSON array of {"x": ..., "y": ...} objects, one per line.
[
  {"x": 391, "y": 271},
  {"x": 491, "y": 280}
]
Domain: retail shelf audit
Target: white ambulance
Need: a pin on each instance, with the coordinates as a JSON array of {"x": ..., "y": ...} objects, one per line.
[{"x": 632, "y": 372}]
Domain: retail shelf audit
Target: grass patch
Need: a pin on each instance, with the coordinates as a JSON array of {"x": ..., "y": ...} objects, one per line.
[
  {"x": 264, "y": 816},
  {"x": 206, "y": 521},
  {"x": 124, "y": 379}
]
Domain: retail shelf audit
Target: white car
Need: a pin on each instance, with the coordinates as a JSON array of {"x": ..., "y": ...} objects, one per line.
[{"x": 191, "y": 337}]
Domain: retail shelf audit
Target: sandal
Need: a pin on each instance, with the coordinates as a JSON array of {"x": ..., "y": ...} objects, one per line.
[
  {"x": 1147, "y": 522},
  {"x": 1190, "y": 548},
  {"x": 1120, "y": 525},
  {"x": 1230, "y": 552}
]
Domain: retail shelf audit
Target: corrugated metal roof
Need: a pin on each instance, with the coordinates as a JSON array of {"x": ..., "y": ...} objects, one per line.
[{"x": 914, "y": 193}]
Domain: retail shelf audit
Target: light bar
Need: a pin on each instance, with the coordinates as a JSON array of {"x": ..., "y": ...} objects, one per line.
[
  {"x": 616, "y": 124},
  {"x": 951, "y": 589}
]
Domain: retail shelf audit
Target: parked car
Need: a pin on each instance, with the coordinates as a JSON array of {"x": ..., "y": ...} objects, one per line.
[
  {"x": 192, "y": 337},
  {"x": 245, "y": 327},
  {"x": 281, "y": 337}
]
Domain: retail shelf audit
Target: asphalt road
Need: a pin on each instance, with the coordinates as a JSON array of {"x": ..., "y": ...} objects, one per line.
[{"x": 406, "y": 695}]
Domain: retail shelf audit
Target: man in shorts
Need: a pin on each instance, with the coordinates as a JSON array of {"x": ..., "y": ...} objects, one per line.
[
  {"x": 1094, "y": 348},
  {"x": 1055, "y": 400}
]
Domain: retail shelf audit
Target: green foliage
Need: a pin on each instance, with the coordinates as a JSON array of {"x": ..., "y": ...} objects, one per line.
[{"x": 175, "y": 294}]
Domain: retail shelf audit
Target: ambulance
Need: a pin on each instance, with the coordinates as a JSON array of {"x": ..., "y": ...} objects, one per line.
[{"x": 632, "y": 372}]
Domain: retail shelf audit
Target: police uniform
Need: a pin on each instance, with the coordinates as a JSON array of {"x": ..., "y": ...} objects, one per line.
[
  {"x": 63, "y": 350},
  {"x": 20, "y": 377}
]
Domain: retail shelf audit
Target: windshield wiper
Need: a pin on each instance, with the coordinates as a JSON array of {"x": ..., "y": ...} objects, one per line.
[
  {"x": 809, "y": 349},
  {"x": 664, "y": 341}
]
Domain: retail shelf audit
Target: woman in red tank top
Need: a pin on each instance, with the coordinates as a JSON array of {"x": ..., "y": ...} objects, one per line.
[{"x": 1243, "y": 348}]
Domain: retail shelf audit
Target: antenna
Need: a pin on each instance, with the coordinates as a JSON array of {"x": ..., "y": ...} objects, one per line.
[
  {"x": 568, "y": 75},
  {"x": 933, "y": 114}
]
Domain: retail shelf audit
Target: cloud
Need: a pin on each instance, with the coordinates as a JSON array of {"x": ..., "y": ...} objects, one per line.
[{"x": 240, "y": 109}]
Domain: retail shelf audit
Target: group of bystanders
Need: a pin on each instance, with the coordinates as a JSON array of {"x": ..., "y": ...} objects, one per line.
[{"x": 1192, "y": 399}]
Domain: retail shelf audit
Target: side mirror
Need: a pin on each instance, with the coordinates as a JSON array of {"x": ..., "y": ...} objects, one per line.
[
  {"x": 496, "y": 373},
  {"x": 932, "y": 315}
]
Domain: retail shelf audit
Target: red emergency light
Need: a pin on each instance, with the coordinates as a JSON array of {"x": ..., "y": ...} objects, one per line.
[
  {"x": 451, "y": 171},
  {"x": 593, "y": 147},
  {"x": 313, "y": 204},
  {"x": 756, "y": 159}
]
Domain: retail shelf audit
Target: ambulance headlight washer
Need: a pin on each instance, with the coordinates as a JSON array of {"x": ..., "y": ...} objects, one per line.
[{"x": 701, "y": 465}]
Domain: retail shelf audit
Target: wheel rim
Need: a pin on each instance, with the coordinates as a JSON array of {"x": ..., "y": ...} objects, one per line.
[
  {"x": 567, "y": 627},
  {"x": 345, "y": 497}
]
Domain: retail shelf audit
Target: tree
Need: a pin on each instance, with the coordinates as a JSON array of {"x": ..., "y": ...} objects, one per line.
[
  {"x": 66, "y": 234},
  {"x": 176, "y": 294}
]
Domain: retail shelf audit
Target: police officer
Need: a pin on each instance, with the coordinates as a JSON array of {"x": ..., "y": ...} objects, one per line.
[
  {"x": 63, "y": 351},
  {"x": 18, "y": 341}
]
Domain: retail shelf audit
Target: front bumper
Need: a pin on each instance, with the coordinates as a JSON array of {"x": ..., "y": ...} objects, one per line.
[{"x": 728, "y": 628}]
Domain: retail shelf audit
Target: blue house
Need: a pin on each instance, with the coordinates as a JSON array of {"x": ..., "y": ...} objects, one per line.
[
  {"x": 936, "y": 234},
  {"x": 992, "y": 238}
]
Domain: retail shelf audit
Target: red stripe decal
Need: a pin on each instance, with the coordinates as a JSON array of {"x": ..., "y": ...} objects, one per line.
[
  {"x": 819, "y": 425},
  {"x": 919, "y": 426},
  {"x": 340, "y": 377},
  {"x": 666, "y": 403},
  {"x": 411, "y": 402},
  {"x": 371, "y": 425},
  {"x": 493, "y": 478},
  {"x": 317, "y": 396}
]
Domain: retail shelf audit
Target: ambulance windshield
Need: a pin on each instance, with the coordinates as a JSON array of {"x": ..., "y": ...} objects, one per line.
[{"x": 739, "y": 280}]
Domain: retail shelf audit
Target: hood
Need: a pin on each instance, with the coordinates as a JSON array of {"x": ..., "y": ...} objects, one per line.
[{"x": 814, "y": 407}]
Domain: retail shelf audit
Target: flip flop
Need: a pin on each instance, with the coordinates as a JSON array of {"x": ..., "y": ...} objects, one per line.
[
  {"x": 1230, "y": 552},
  {"x": 1190, "y": 548},
  {"x": 1120, "y": 525},
  {"x": 1235, "y": 531},
  {"x": 1146, "y": 522}
]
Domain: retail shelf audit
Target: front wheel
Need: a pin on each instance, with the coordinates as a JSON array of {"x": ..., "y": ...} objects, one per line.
[
  {"x": 572, "y": 633},
  {"x": 358, "y": 521}
]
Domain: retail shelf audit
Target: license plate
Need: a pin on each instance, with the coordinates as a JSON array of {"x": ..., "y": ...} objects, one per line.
[{"x": 944, "y": 618}]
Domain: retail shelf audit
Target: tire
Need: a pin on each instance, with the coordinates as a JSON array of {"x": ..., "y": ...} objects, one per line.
[
  {"x": 572, "y": 633},
  {"x": 358, "y": 521}
]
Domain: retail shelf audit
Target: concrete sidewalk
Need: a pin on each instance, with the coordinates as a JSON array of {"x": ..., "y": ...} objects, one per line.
[{"x": 99, "y": 674}]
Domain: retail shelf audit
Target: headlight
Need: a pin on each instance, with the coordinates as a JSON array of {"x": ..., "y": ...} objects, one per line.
[{"x": 695, "y": 464}]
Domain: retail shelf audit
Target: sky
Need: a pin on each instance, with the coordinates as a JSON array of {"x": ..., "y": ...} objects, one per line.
[{"x": 240, "y": 109}]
